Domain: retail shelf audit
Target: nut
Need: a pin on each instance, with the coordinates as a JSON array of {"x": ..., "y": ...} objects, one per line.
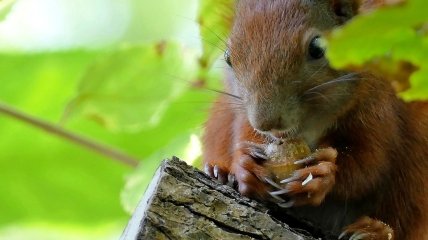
[{"x": 282, "y": 157}]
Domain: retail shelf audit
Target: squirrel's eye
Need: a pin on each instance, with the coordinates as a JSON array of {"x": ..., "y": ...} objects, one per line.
[
  {"x": 317, "y": 48},
  {"x": 227, "y": 57}
]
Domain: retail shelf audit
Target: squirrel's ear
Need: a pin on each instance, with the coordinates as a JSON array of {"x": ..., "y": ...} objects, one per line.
[{"x": 345, "y": 9}]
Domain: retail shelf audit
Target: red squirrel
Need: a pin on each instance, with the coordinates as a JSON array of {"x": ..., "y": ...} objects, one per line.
[{"x": 370, "y": 173}]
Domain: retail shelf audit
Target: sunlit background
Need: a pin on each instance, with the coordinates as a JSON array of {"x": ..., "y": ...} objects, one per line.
[
  {"x": 93, "y": 68},
  {"x": 62, "y": 25}
]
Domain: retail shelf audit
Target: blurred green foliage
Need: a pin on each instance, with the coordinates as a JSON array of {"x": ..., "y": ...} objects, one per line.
[
  {"x": 132, "y": 87},
  {"x": 392, "y": 35},
  {"x": 138, "y": 86},
  {"x": 134, "y": 93}
]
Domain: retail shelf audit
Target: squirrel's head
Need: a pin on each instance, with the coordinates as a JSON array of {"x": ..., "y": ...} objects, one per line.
[{"x": 276, "y": 51}]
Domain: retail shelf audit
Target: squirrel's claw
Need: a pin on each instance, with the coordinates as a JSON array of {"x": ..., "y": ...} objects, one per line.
[
  {"x": 290, "y": 179},
  {"x": 220, "y": 175},
  {"x": 305, "y": 161},
  {"x": 278, "y": 198},
  {"x": 208, "y": 169},
  {"x": 279, "y": 192},
  {"x": 255, "y": 150},
  {"x": 231, "y": 181},
  {"x": 355, "y": 236},
  {"x": 217, "y": 173},
  {"x": 259, "y": 155},
  {"x": 342, "y": 235},
  {"x": 308, "y": 179},
  {"x": 358, "y": 236},
  {"x": 272, "y": 183},
  {"x": 288, "y": 204}
]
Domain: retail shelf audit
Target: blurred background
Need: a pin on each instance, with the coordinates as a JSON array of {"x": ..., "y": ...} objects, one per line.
[
  {"x": 123, "y": 73},
  {"x": 133, "y": 75}
]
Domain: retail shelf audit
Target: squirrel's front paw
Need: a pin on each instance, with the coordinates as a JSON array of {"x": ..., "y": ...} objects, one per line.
[
  {"x": 219, "y": 174},
  {"x": 310, "y": 185},
  {"x": 250, "y": 174},
  {"x": 250, "y": 177},
  {"x": 247, "y": 175},
  {"x": 367, "y": 228}
]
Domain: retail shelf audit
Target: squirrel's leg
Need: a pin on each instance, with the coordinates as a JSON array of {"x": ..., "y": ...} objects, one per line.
[{"x": 217, "y": 142}]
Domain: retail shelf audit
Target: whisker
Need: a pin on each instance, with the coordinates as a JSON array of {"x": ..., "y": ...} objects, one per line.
[
  {"x": 317, "y": 71},
  {"x": 225, "y": 93},
  {"x": 345, "y": 78},
  {"x": 328, "y": 97},
  {"x": 228, "y": 108},
  {"x": 331, "y": 94},
  {"x": 191, "y": 84},
  {"x": 222, "y": 110},
  {"x": 318, "y": 95},
  {"x": 219, "y": 67},
  {"x": 235, "y": 105},
  {"x": 221, "y": 48},
  {"x": 215, "y": 34}
]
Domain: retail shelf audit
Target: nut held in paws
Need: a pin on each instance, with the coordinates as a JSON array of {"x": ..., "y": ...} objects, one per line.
[{"x": 282, "y": 157}]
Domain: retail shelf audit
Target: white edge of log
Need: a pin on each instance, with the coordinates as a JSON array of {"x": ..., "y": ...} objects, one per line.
[
  {"x": 134, "y": 226},
  {"x": 184, "y": 203}
]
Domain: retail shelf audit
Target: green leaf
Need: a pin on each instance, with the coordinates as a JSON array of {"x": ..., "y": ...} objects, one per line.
[
  {"x": 419, "y": 88},
  {"x": 397, "y": 33},
  {"x": 131, "y": 88}
]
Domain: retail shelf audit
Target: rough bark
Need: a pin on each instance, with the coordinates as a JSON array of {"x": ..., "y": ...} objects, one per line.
[{"x": 184, "y": 203}]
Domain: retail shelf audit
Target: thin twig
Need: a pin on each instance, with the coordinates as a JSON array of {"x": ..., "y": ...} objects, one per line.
[{"x": 107, "y": 151}]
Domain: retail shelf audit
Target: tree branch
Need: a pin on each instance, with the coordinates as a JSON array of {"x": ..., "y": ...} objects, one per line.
[{"x": 87, "y": 143}]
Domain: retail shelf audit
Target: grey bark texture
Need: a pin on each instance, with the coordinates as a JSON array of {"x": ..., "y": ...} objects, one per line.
[{"x": 184, "y": 203}]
